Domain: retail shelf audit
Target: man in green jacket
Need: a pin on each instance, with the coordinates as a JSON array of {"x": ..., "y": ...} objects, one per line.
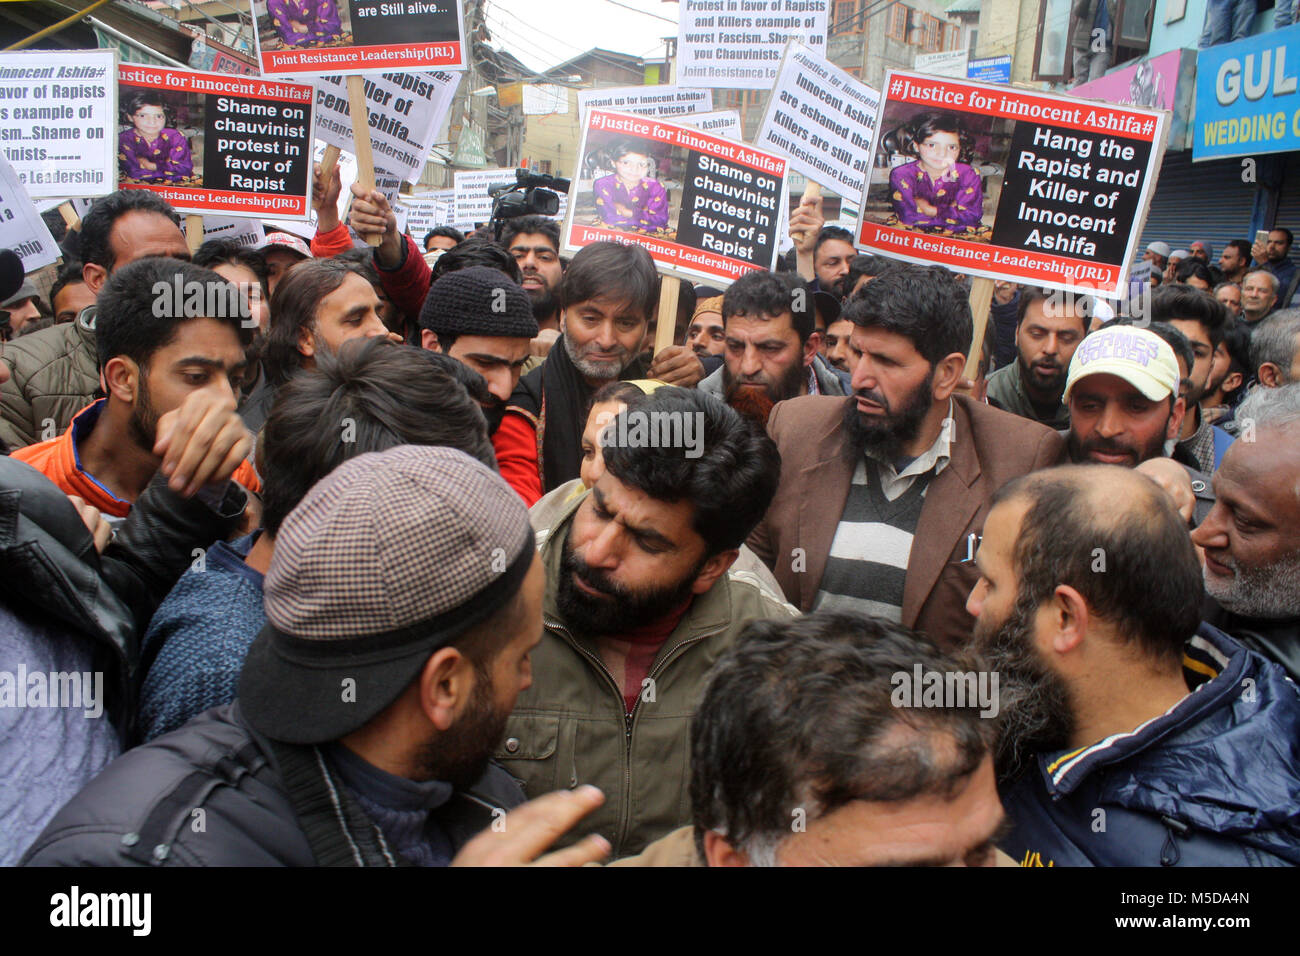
[
  {"x": 638, "y": 606},
  {"x": 1049, "y": 327},
  {"x": 55, "y": 373}
]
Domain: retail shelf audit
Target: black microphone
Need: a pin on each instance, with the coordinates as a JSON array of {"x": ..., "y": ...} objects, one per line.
[{"x": 11, "y": 273}]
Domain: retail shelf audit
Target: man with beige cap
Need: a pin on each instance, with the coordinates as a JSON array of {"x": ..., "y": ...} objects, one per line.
[{"x": 1122, "y": 392}]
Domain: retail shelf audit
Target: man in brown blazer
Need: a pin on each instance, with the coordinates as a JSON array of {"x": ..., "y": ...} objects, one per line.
[{"x": 883, "y": 495}]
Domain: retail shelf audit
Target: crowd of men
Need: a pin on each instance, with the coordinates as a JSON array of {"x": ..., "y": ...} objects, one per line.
[{"x": 374, "y": 553}]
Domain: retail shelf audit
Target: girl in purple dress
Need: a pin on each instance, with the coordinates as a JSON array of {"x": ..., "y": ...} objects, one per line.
[
  {"x": 303, "y": 22},
  {"x": 150, "y": 151},
  {"x": 940, "y": 190},
  {"x": 628, "y": 199}
]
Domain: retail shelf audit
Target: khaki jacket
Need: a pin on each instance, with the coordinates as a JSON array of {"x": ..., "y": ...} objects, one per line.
[
  {"x": 570, "y": 726},
  {"x": 989, "y": 448},
  {"x": 676, "y": 849},
  {"x": 54, "y": 375}
]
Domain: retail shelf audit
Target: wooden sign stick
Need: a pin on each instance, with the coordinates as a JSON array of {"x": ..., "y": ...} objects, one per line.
[
  {"x": 361, "y": 139},
  {"x": 70, "y": 216},
  {"x": 328, "y": 160},
  {"x": 981, "y": 297},
  {"x": 193, "y": 231},
  {"x": 666, "y": 331}
]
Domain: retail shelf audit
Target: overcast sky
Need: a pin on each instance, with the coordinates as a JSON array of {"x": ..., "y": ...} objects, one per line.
[{"x": 544, "y": 34}]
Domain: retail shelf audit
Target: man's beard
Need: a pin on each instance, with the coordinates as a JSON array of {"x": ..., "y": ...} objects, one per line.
[
  {"x": 1054, "y": 384},
  {"x": 460, "y": 755},
  {"x": 754, "y": 398},
  {"x": 603, "y": 370},
  {"x": 622, "y": 609},
  {"x": 1035, "y": 714},
  {"x": 493, "y": 414},
  {"x": 1079, "y": 450},
  {"x": 884, "y": 436},
  {"x": 544, "y": 303},
  {"x": 1270, "y": 592},
  {"x": 1194, "y": 395},
  {"x": 143, "y": 423}
]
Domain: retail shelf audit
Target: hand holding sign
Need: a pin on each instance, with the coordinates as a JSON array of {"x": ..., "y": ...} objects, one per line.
[
  {"x": 373, "y": 219},
  {"x": 677, "y": 365}
]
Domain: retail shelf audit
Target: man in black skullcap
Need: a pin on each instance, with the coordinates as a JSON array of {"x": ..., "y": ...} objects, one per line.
[{"x": 482, "y": 319}]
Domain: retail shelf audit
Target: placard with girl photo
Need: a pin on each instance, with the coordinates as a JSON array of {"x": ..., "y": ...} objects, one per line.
[
  {"x": 937, "y": 172},
  {"x": 151, "y": 148},
  {"x": 627, "y": 189}
]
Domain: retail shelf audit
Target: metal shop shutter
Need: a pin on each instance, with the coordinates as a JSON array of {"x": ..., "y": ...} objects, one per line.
[{"x": 1206, "y": 201}]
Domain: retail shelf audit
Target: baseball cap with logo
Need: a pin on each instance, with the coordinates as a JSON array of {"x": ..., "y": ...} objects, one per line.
[
  {"x": 390, "y": 557},
  {"x": 1138, "y": 356},
  {"x": 283, "y": 240}
]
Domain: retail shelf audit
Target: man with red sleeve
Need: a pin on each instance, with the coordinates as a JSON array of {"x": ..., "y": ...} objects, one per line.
[{"x": 484, "y": 321}]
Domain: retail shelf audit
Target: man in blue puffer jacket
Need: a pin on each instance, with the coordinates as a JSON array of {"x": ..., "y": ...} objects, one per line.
[{"x": 1131, "y": 736}]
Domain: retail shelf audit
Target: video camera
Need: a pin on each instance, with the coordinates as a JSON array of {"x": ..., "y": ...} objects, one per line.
[{"x": 537, "y": 199}]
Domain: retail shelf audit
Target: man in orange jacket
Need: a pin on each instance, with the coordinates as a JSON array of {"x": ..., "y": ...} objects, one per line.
[{"x": 171, "y": 338}]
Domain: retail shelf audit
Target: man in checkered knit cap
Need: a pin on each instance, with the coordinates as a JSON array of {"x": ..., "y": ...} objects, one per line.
[{"x": 403, "y": 601}]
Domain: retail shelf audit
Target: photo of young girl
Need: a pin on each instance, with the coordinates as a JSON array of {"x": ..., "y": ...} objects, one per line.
[
  {"x": 629, "y": 199},
  {"x": 939, "y": 190},
  {"x": 150, "y": 150}
]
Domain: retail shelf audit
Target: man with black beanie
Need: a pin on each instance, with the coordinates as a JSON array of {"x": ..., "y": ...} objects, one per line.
[{"x": 484, "y": 321}]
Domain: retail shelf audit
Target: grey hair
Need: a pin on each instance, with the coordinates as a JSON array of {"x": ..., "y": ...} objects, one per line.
[
  {"x": 1274, "y": 340},
  {"x": 1271, "y": 407},
  {"x": 1264, "y": 272}
]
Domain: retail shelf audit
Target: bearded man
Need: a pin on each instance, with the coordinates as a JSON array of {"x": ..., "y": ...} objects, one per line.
[
  {"x": 770, "y": 346},
  {"x": 170, "y": 337},
  {"x": 1251, "y": 536},
  {"x": 883, "y": 493},
  {"x": 1088, "y": 610}
]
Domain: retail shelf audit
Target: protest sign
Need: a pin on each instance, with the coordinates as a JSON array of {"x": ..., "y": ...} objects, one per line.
[
  {"x": 1139, "y": 277},
  {"x": 409, "y": 110},
  {"x": 724, "y": 123},
  {"x": 1010, "y": 184},
  {"x": 823, "y": 119},
  {"x": 247, "y": 233},
  {"x": 658, "y": 101},
  {"x": 473, "y": 204},
  {"x": 21, "y": 227},
  {"x": 57, "y": 110},
  {"x": 737, "y": 44},
  {"x": 425, "y": 211},
  {"x": 216, "y": 142},
  {"x": 702, "y": 206},
  {"x": 79, "y": 207},
  {"x": 1246, "y": 100},
  {"x": 296, "y": 37}
]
